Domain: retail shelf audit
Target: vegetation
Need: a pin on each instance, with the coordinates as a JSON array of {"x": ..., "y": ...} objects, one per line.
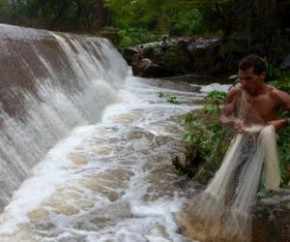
[
  {"x": 64, "y": 15},
  {"x": 205, "y": 139},
  {"x": 281, "y": 79},
  {"x": 244, "y": 26},
  {"x": 250, "y": 20}
]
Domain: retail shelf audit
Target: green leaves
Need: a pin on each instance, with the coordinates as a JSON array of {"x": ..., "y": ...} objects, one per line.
[
  {"x": 169, "y": 98},
  {"x": 214, "y": 100},
  {"x": 5, "y": 8},
  {"x": 133, "y": 36},
  {"x": 164, "y": 16},
  {"x": 204, "y": 136},
  {"x": 190, "y": 118},
  {"x": 172, "y": 99},
  {"x": 57, "y": 15}
]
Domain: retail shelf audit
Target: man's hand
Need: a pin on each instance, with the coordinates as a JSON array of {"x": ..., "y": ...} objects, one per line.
[
  {"x": 239, "y": 125},
  {"x": 278, "y": 124}
]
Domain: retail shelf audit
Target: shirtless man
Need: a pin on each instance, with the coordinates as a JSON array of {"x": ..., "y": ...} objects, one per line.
[{"x": 266, "y": 100}]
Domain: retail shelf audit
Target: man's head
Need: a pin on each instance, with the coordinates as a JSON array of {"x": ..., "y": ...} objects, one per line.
[
  {"x": 252, "y": 74},
  {"x": 256, "y": 62}
]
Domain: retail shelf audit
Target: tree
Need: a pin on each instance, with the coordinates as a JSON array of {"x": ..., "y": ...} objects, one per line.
[
  {"x": 78, "y": 15},
  {"x": 159, "y": 15}
]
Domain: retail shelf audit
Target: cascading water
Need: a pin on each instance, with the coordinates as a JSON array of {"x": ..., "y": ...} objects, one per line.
[
  {"x": 50, "y": 83},
  {"x": 92, "y": 144}
]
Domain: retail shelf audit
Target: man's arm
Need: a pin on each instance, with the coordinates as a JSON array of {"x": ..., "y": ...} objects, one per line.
[
  {"x": 283, "y": 100},
  {"x": 228, "y": 109}
]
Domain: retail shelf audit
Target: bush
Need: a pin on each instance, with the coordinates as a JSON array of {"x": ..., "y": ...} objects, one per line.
[
  {"x": 133, "y": 36},
  {"x": 204, "y": 137}
]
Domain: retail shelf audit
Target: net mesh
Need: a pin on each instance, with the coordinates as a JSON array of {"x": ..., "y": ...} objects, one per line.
[{"x": 222, "y": 212}]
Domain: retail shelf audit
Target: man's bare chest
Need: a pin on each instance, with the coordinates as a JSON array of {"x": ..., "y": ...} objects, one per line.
[{"x": 264, "y": 105}]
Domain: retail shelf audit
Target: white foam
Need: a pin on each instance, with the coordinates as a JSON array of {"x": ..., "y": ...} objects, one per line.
[
  {"x": 215, "y": 87},
  {"x": 118, "y": 158}
]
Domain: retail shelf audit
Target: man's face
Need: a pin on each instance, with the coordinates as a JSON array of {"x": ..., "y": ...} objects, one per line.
[{"x": 251, "y": 82}]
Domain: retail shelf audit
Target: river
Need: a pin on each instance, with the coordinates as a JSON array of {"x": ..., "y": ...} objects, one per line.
[{"x": 112, "y": 180}]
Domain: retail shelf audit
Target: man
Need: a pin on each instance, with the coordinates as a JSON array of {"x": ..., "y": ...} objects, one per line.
[
  {"x": 223, "y": 211},
  {"x": 257, "y": 104},
  {"x": 266, "y": 100}
]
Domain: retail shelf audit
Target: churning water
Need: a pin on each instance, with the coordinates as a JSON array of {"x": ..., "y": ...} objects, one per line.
[
  {"x": 109, "y": 181},
  {"x": 50, "y": 83},
  {"x": 85, "y": 148}
]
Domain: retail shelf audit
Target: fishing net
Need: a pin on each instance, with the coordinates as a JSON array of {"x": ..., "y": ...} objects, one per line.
[{"x": 222, "y": 212}]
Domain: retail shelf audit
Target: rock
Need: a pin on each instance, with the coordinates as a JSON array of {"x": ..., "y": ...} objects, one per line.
[
  {"x": 182, "y": 56},
  {"x": 147, "y": 68},
  {"x": 271, "y": 220},
  {"x": 129, "y": 53}
]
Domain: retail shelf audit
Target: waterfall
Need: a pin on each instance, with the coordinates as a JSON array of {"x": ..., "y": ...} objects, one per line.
[{"x": 50, "y": 83}]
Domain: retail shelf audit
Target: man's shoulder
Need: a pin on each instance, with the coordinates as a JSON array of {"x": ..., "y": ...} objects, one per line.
[
  {"x": 234, "y": 91},
  {"x": 275, "y": 92},
  {"x": 278, "y": 95}
]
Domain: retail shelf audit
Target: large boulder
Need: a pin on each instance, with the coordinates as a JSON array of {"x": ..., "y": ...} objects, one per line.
[
  {"x": 182, "y": 56},
  {"x": 272, "y": 218}
]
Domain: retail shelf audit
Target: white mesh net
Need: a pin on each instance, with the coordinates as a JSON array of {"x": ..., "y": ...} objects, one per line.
[{"x": 222, "y": 212}]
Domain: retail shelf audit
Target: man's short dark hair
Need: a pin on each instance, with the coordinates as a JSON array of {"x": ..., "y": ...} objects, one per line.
[{"x": 255, "y": 61}]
